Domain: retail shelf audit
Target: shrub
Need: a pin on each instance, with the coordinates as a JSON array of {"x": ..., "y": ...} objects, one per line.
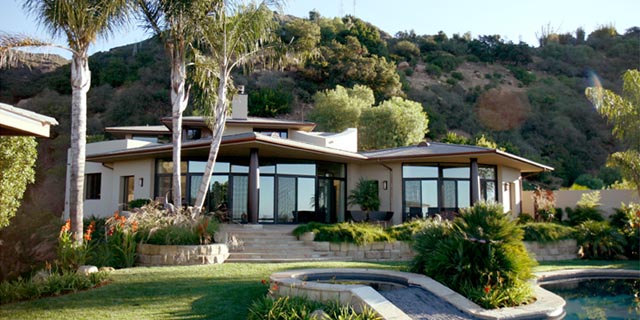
[
  {"x": 580, "y": 214},
  {"x": 525, "y": 218},
  {"x": 627, "y": 221},
  {"x": 524, "y": 76},
  {"x": 155, "y": 226},
  {"x": 599, "y": 240},
  {"x": 481, "y": 256},
  {"x": 408, "y": 230},
  {"x": 546, "y": 232},
  {"x": 444, "y": 60},
  {"x": 138, "y": 203},
  {"x": 53, "y": 284},
  {"x": 433, "y": 70},
  {"x": 358, "y": 233},
  {"x": 457, "y": 75},
  {"x": 283, "y": 308},
  {"x": 308, "y": 227},
  {"x": 426, "y": 242}
]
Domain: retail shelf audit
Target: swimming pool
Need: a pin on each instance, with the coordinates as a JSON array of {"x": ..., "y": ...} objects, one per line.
[{"x": 599, "y": 298}]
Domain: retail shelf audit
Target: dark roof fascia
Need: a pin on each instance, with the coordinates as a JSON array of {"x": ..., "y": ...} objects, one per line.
[
  {"x": 266, "y": 123},
  {"x": 461, "y": 154},
  {"x": 228, "y": 140}
]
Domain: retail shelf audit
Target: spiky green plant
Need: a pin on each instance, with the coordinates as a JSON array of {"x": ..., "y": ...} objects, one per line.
[{"x": 480, "y": 256}]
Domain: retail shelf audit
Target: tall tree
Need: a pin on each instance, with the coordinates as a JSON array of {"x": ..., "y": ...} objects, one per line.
[
  {"x": 234, "y": 34},
  {"x": 81, "y": 22},
  {"x": 178, "y": 23},
  {"x": 394, "y": 123},
  {"x": 623, "y": 112},
  {"x": 338, "y": 109}
]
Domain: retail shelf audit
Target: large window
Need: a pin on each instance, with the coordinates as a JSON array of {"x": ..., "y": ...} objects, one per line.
[
  {"x": 92, "y": 186},
  {"x": 443, "y": 188},
  {"x": 288, "y": 192}
]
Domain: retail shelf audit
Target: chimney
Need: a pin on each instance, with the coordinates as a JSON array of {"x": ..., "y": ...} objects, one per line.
[{"x": 239, "y": 105}]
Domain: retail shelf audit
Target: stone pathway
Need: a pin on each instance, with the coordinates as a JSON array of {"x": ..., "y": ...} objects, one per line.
[{"x": 420, "y": 304}]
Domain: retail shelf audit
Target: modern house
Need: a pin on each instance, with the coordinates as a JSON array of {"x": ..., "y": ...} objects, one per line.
[{"x": 280, "y": 171}]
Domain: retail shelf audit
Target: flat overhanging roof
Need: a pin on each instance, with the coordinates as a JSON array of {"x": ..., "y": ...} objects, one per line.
[
  {"x": 453, "y": 153},
  {"x": 20, "y": 122},
  {"x": 271, "y": 147},
  {"x": 238, "y": 145}
]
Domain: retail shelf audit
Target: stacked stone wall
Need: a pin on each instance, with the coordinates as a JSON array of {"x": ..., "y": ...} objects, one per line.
[
  {"x": 553, "y": 251},
  {"x": 376, "y": 251},
  {"x": 172, "y": 255}
]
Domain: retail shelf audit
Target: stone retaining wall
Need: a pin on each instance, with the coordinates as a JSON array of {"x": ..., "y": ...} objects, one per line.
[
  {"x": 553, "y": 251},
  {"x": 170, "y": 255},
  {"x": 376, "y": 251}
]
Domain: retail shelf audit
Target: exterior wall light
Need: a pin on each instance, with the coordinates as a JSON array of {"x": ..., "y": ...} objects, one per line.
[{"x": 141, "y": 182}]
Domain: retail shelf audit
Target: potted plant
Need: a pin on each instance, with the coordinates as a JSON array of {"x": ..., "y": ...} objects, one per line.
[{"x": 365, "y": 195}]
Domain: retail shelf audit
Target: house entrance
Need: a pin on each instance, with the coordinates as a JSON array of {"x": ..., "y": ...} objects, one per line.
[{"x": 127, "y": 191}]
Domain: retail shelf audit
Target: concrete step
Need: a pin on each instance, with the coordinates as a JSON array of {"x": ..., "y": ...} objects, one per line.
[
  {"x": 268, "y": 260},
  {"x": 271, "y": 243}
]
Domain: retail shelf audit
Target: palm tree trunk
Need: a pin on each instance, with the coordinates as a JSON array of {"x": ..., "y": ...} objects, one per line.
[
  {"x": 80, "y": 84},
  {"x": 179, "y": 100},
  {"x": 220, "y": 116}
]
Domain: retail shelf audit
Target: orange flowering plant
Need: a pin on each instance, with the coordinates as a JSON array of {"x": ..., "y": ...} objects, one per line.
[
  {"x": 71, "y": 254},
  {"x": 121, "y": 238}
]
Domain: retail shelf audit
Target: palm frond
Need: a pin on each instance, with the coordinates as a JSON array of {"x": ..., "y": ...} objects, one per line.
[
  {"x": 80, "y": 21},
  {"x": 10, "y": 42}
]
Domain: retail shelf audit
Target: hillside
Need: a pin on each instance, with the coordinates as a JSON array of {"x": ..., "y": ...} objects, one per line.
[{"x": 529, "y": 100}]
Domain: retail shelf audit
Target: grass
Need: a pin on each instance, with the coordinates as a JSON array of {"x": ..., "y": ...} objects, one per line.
[
  {"x": 198, "y": 292},
  {"x": 192, "y": 292},
  {"x": 587, "y": 264}
]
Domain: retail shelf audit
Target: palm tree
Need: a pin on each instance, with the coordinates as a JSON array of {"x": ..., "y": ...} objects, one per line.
[
  {"x": 178, "y": 24},
  {"x": 81, "y": 22},
  {"x": 232, "y": 37}
]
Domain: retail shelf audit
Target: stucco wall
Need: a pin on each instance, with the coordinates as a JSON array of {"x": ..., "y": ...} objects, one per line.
[
  {"x": 109, "y": 188},
  {"x": 609, "y": 199},
  {"x": 509, "y": 189},
  {"x": 391, "y": 198},
  {"x": 346, "y": 140}
]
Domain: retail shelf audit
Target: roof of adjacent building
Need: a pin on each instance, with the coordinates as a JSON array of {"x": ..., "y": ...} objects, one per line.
[
  {"x": 16, "y": 121},
  {"x": 138, "y": 130},
  {"x": 253, "y": 121}
]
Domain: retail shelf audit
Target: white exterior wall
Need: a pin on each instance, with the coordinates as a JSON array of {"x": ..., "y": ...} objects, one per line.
[
  {"x": 109, "y": 186},
  {"x": 138, "y": 169},
  {"x": 346, "y": 140},
  {"x": 509, "y": 189}
]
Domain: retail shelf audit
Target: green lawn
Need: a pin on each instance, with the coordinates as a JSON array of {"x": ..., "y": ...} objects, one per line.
[
  {"x": 587, "y": 264},
  {"x": 196, "y": 292}
]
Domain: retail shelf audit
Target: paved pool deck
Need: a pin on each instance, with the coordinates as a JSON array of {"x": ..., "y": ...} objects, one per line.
[{"x": 293, "y": 282}]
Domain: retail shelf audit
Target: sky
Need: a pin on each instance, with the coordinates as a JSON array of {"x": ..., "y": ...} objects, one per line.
[{"x": 513, "y": 20}]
